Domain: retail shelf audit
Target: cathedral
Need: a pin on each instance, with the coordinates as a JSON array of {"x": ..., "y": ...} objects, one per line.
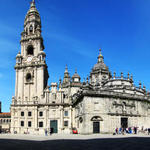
[{"x": 98, "y": 105}]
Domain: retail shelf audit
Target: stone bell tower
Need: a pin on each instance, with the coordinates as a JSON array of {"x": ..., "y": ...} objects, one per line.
[{"x": 31, "y": 68}]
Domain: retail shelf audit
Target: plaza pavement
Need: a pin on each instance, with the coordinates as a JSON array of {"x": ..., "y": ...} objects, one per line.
[
  {"x": 74, "y": 142},
  {"x": 68, "y": 136}
]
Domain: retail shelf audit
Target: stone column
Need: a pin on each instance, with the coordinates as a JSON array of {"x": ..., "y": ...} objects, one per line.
[
  {"x": 45, "y": 121},
  {"x": 36, "y": 118},
  {"x": 61, "y": 117},
  {"x": 16, "y": 85},
  {"x": 18, "y": 114}
]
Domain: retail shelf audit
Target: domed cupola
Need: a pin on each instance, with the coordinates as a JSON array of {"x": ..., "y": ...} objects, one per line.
[
  {"x": 100, "y": 72},
  {"x": 19, "y": 58},
  {"x": 76, "y": 77},
  {"x": 100, "y": 64}
]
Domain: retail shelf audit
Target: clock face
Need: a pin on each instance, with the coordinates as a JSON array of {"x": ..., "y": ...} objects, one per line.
[{"x": 29, "y": 59}]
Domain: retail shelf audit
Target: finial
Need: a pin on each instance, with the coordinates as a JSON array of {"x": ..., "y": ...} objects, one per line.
[
  {"x": 140, "y": 84},
  {"x": 59, "y": 79},
  {"x": 100, "y": 57},
  {"x": 114, "y": 75},
  {"x": 60, "y": 82},
  {"x": 66, "y": 69},
  {"x": 121, "y": 75},
  {"x": 128, "y": 75},
  {"x": 32, "y": 3},
  {"x": 76, "y": 70},
  {"x": 100, "y": 52},
  {"x": 87, "y": 79}
]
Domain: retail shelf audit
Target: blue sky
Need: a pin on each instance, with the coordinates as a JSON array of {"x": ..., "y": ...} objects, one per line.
[{"x": 73, "y": 32}]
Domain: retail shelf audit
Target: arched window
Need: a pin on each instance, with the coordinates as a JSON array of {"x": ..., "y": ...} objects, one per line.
[
  {"x": 30, "y": 50},
  {"x": 31, "y": 29},
  {"x": 28, "y": 77}
]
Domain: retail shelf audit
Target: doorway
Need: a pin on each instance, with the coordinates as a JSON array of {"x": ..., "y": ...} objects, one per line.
[
  {"x": 96, "y": 127},
  {"x": 53, "y": 126},
  {"x": 124, "y": 122}
]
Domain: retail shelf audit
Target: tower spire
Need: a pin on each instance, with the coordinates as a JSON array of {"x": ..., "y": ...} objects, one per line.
[
  {"x": 32, "y": 3},
  {"x": 66, "y": 69}
]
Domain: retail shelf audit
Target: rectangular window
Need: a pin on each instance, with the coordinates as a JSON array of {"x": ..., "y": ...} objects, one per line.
[
  {"x": 41, "y": 124},
  {"x": 66, "y": 113},
  {"x": 22, "y": 123},
  {"x": 29, "y": 113},
  {"x": 22, "y": 113},
  {"x": 29, "y": 124},
  {"x": 66, "y": 123},
  {"x": 40, "y": 113}
]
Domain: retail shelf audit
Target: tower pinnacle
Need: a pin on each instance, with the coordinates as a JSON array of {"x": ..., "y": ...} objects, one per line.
[
  {"x": 100, "y": 52},
  {"x": 100, "y": 57},
  {"x": 32, "y": 3}
]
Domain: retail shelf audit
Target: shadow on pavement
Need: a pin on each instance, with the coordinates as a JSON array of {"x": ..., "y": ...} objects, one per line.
[{"x": 133, "y": 143}]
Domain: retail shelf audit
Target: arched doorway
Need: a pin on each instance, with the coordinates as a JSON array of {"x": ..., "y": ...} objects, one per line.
[{"x": 96, "y": 123}]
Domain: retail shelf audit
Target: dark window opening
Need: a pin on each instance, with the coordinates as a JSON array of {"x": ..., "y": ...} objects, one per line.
[
  {"x": 66, "y": 113},
  {"x": 28, "y": 77},
  {"x": 30, "y": 50},
  {"x": 40, "y": 113},
  {"x": 29, "y": 123},
  {"x": 40, "y": 124},
  {"x": 66, "y": 123},
  {"x": 29, "y": 113},
  {"x": 22, "y": 123},
  {"x": 22, "y": 113},
  {"x": 124, "y": 123}
]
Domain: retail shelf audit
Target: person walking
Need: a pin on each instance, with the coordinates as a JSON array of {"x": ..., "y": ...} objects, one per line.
[
  {"x": 116, "y": 130},
  {"x": 148, "y": 131},
  {"x": 45, "y": 132}
]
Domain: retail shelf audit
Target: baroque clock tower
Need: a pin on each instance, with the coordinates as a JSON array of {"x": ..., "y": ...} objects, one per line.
[
  {"x": 31, "y": 69},
  {"x": 31, "y": 75}
]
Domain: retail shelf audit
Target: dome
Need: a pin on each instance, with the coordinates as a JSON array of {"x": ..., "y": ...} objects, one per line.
[
  {"x": 100, "y": 66},
  {"x": 76, "y": 78},
  {"x": 19, "y": 55},
  {"x": 75, "y": 75}
]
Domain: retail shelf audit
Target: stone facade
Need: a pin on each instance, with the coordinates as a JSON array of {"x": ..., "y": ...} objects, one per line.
[
  {"x": 97, "y": 105},
  {"x": 5, "y": 121}
]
